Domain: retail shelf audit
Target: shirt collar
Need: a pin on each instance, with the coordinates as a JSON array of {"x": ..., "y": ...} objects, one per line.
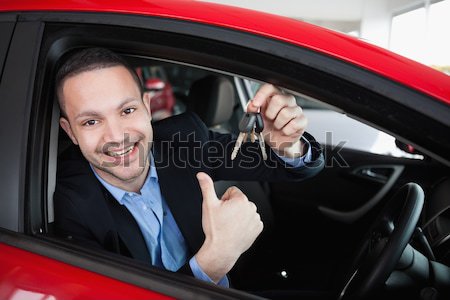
[{"x": 118, "y": 193}]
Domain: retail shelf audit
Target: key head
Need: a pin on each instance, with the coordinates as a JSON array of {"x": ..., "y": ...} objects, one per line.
[
  {"x": 259, "y": 123},
  {"x": 247, "y": 122}
]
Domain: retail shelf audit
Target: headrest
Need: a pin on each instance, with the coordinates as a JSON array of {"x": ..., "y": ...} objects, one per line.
[{"x": 212, "y": 98}]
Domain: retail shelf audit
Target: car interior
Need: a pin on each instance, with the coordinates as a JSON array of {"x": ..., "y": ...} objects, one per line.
[{"x": 312, "y": 228}]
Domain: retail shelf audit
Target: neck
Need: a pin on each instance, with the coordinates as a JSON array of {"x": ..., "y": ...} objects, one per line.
[{"x": 132, "y": 185}]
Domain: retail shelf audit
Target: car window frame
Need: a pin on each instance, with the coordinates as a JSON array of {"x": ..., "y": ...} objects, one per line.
[
  {"x": 7, "y": 23},
  {"x": 16, "y": 94}
]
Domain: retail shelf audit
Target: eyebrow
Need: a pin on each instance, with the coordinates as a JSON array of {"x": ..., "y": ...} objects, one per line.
[
  {"x": 88, "y": 113},
  {"x": 91, "y": 113},
  {"x": 126, "y": 101}
]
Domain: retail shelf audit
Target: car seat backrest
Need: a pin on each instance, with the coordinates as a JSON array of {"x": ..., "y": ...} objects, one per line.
[{"x": 213, "y": 99}]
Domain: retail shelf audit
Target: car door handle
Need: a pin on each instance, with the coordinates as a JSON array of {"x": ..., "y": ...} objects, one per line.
[
  {"x": 387, "y": 175},
  {"x": 372, "y": 174}
]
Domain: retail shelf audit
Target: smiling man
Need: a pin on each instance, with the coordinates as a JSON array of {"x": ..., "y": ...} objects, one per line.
[
  {"x": 142, "y": 192},
  {"x": 101, "y": 106}
]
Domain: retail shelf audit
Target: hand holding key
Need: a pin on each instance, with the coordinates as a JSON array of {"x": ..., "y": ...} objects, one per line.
[
  {"x": 284, "y": 121},
  {"x": 251, "y": 124}
]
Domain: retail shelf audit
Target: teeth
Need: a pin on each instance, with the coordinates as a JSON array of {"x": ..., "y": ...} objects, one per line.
[{"x": 116, "y": 154}]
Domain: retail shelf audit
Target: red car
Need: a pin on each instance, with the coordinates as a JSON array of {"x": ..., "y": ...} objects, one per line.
[
  {"x": 371, "y": 224},
  {"x": 162, "y": 99}
]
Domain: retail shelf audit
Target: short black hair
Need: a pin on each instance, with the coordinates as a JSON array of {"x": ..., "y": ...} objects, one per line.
[{"x": 89, "y": 59}]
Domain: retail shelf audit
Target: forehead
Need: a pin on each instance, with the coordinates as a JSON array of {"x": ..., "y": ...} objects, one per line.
[
  {"x": 109, "y": 84},
  {"x": 113, "y": 74}
]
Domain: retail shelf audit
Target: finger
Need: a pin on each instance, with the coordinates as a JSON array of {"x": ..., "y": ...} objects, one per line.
[
  {"x": 206, "y": 186},
  {"x": 285, "y": 115},
  {"x": 233, "y": 193},
  {"x": 278, "y": 102},
  {"x": 253, "y": 206},
  {"x": 295, "y": 127},
  {"x": 261, "y": 97}
]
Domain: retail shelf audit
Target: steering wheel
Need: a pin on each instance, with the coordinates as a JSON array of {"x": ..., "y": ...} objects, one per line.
[{"x": 384, "y": 243}]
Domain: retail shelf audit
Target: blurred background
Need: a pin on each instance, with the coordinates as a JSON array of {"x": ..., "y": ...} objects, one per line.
[{"x": 417, "y": 29}]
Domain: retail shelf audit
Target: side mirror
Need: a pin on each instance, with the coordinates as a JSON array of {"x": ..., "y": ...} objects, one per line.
[{"x": 407, "y": 148}]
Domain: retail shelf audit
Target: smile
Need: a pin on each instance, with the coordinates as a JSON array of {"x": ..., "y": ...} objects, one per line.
[{"x": 121, "y": 152}]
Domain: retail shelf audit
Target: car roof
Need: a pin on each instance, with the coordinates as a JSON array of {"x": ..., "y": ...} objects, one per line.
[{"x": 328, "y": 42}]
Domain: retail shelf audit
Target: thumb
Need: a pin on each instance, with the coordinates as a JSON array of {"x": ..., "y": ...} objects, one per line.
[
  {"x": 252, "y": 106},
  {"x": 207, "y": 187}
]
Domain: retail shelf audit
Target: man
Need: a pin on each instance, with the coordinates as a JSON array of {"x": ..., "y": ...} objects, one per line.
[{"x": 152, "y": 197}]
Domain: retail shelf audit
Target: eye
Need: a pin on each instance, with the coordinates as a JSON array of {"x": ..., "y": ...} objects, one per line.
[
  {"x": 90, "y": 123},
  {"x": 128, "y": 111}
]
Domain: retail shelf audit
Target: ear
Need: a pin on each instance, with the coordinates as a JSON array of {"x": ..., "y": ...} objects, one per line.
[
  {"x": 66, "y": 126},
  {"x": 146, "y": 98}
]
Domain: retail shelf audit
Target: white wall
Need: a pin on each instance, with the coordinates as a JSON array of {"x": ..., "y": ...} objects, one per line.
[
  {"x": 325, "y": 10},
  {"x": 376, "y": 18},
  {"x": 376, "y": 22},
  {"x": 370, "y": 19}
]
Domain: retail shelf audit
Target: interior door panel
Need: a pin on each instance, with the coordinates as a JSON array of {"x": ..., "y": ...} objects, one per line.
[
  {"x": 346, "y": 183},
  {"x": 323, "y": 214},
  {"x": 384, "y": 175}
]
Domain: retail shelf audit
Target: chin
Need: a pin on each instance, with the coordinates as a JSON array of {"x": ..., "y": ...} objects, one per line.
[{"x": 128, "y": 174}]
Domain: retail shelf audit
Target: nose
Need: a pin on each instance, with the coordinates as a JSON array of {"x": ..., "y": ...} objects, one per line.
[{"x": 114, "y": 132}]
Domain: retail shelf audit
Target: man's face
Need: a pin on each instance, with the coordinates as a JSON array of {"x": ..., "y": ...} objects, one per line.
[{"x": 110, "y": 122}]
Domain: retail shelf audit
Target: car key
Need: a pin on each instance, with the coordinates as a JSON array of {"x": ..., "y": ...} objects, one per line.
[
  {"x": 253, "y": 135},
  {"x": 259, "y": 126},
  {"x": 246, "y": 127}
]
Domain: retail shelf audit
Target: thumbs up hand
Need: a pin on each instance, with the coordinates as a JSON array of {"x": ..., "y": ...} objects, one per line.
[{"x": 231, "y": 225}]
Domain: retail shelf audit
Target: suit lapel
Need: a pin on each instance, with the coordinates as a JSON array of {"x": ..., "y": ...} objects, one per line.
[
  {"x": 131, "y": 239},
  {"x": 181, "y": 193}
]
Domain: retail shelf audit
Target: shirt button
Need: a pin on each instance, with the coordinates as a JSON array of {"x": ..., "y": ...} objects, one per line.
[{"x": 144, "y": 207}]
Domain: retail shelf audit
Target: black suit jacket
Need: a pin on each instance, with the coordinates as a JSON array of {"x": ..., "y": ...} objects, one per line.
[{"x": 86, "y": 213}]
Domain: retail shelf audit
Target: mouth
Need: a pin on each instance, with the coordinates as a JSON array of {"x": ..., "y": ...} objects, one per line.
[{"x": 121, "y": 152}]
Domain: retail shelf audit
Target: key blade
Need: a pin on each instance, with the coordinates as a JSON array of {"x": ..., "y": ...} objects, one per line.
[
  {"x": 237, "y": 145},
  {"x": 262, "y": 145}
]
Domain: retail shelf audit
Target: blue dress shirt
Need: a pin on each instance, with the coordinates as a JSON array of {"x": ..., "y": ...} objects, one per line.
[{"x": 164, "y": 240}]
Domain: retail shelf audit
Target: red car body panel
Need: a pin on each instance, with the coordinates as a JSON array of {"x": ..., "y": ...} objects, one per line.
[
  {"x": 24, "y": 275},
  {"x": 349, "y": 49}
]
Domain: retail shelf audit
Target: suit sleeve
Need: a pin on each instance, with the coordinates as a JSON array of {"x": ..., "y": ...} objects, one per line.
[
  {"x": 69, "y": 222},
  {"x": 216, "y": 151}
]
